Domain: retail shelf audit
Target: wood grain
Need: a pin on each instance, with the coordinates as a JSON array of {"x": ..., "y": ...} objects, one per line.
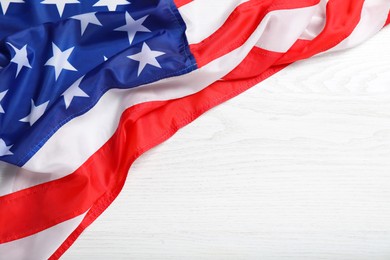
[{"x": 298, "y": 167}]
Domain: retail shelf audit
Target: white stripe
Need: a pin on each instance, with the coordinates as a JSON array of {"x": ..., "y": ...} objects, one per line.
[
  {"x": 373, "y": 18},
  {"x": 284, "y": 28},
  {"x": 317, "y": 23},
  {"x": 13, "y": 178},
  {"x": 204, "y": 17},
  {"x": 40, "y": 245},
  {"x": 76, "y": 141},
  {"x": 307, "y": 26}
]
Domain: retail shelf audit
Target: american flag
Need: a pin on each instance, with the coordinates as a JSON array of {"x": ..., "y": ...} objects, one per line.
[{"x": 87, "y": 86}]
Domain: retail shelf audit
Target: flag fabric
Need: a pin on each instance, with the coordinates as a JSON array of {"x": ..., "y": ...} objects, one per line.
[{"x": 87, "y": 86}]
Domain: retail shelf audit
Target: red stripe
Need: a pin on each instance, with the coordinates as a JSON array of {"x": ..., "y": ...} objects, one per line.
[
  {"x": 341, "y": 19},
  {"x": 180, "y": 3},
  {"x": 239, "y": 27},
  {"x": 143, "y": 126},
  {"x": 388, "y": 20}
]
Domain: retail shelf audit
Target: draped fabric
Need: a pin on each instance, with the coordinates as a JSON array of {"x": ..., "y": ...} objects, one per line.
[{"x": 86, "y": 87}]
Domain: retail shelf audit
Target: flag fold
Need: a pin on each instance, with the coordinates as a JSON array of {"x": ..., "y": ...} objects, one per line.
[{"x": 86, "y": 87}]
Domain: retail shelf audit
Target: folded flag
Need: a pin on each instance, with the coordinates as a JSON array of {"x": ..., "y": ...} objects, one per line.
[{"x": 87, "y": 86}]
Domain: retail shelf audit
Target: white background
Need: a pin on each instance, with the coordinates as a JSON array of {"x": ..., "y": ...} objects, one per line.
[{"x": 297, "y": 167}]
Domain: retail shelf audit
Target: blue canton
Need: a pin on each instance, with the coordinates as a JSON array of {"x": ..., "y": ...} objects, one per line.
[{"x": 58, "y": 57}]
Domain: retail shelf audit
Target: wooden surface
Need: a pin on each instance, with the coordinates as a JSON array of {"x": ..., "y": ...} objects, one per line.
[{"x": 298, "y": 167}]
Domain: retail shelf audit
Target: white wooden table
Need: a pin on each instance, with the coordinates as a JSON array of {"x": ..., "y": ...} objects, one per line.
[{"x": 298, "y": 167}]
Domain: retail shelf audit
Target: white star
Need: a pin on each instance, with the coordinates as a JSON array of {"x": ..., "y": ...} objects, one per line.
[
  {"x": 86, "y": 19},
  {"x": 2, "y": 94},
  {"x": 73, "y": 91},
  {"x": 111, "y": 4},
  {"x": 60, "y": 60},
  {"x": 60, "y": 4},
  {"x": 4, "y": 149},
  {"x": 146, "y": 56},
  {"x": 36, "y": 113},
  {"x": 20, "y": 58},
  {"x": 133, "y": 26},
  {"x": 5, "y": 3}
]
